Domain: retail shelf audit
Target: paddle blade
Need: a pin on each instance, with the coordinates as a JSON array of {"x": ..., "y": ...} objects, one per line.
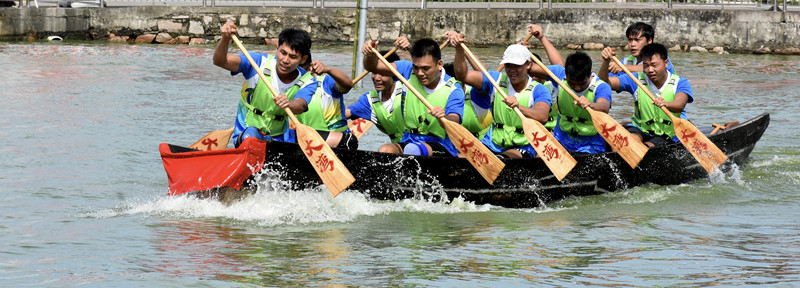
[
  {"x": 329, "y": 168},
  {"x": 620, "y": 140},
  {"x": 547, "y": 147},
  {"x": 359, "y": 127},
  {"x": 216, "y": 140},
  {"x": 699, "y": 145},
  {"x": 476, "y": 153}
]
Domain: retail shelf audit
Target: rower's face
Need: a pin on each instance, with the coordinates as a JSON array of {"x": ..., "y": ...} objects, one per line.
[
  {"x": 636, "y": 43},
  {"x": 655, "y": 68},
  {"x": 381, "y": 82},
  {"x": 288, "y": 59},
  {"x": 517, "y": 73},
  {"x": 427, "y": 70},
  {"x": 578, "y": 84}
]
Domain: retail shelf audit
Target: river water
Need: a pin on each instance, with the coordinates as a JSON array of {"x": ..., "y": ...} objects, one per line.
[{"x": 84, "y": 201}]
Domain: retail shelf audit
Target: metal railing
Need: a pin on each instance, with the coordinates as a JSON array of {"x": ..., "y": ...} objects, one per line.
[{"x": 774, "y": 5}]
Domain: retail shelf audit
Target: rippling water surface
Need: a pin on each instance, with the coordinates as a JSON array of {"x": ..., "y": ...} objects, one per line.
[{"x": 84, "y": 192}]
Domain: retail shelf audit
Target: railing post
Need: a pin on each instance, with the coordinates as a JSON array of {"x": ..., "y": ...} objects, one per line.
[
  {"x": 669, "y": 4},
  {"x": 358, "y": 65},
  {"x": 424, "y": 4},
  {"x": 321, "y": 3}
]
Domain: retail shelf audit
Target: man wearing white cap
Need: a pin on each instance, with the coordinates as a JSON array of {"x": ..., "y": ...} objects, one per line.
[{"x": 506, "y": 135}]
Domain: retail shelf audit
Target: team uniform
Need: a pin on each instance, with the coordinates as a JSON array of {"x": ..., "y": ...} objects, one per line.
[
  {"x": 649, "y": 118},
  {"x": 476, "y": 118},
  {"x": 258, "y": 115},
  {"x": 574, "y": 128},
  {"x": 553, "y": 116},
  {"x": 387, "y": 115},
  {"x": 506, "y": 131},
  {"x": 325, "y": 111},
  {"x": 420, "y": 126}
]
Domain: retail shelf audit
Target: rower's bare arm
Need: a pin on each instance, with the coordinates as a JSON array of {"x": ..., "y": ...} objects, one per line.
[
  {"x": 539, "y": 112},
  {"x": 678, "y": 104},
  {"x": 472, "y": 78},
  {"x": 603, "y": 73},
  {"x": 343, "y": 82},
  {"x": 371, "y": 62},
  {"x": 552, "y": 52},
  {"x": 601, "y": 105},
  {"x": 634, "y": 68},
  {"x": 298, "y": 106},
  {"x": 221, "y": 57}
]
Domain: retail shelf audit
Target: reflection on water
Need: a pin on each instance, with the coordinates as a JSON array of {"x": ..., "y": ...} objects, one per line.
[{"x": 84, "y": 188}]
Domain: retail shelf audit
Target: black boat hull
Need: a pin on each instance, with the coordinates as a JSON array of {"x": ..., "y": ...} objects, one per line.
[{"x": 523, "y": 182}]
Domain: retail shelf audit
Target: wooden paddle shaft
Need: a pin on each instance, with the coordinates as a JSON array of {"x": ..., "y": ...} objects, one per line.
[
  {"x": 261, "y": 74},
  {"x": 526, "y": 40},
  {"x": 636, "y": 79},
  {"x": 364, "y": 74}
]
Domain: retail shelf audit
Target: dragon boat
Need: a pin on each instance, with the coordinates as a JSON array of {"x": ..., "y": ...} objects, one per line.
[{"x": 522, "y": 183}]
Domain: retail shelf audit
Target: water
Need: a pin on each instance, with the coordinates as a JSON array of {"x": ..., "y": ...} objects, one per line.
[{"x": 84, "y": 193}]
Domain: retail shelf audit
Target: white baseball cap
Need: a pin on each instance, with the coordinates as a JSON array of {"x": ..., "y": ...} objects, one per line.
[{"x": 516, "y": 54}]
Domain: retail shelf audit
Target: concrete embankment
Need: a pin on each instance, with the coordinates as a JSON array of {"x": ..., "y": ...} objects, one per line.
[{"x": 733, "y": 30}]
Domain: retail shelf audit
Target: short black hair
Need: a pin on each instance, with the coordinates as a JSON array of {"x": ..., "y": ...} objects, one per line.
[
  {"x": 578, "y": 66},
  {"x": 391, "y": 58},
  {"x": 449, "y": 69},
  {"x": 654, "y": 49},
  {"x": 297, "y": 39},
  {"x": 426, "y": 46},
  {"x": 537, "y": 56},
  {"x": 642, "y": 29}
]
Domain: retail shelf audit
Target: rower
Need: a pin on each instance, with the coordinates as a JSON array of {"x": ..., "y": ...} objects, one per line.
[
  {"x": 325, "y": 113},
  {"x": 265, "y": 118},
  {"x": 639, "y": 34},
  {"x": 573, "y": 126},
  {"x": 423, "y": 135},
  {"x": 506, "y": 135},
  {"x": 382, "y": 105},
  {"x": 649, "y": 123},
  {"x": 556, "y": 61}
]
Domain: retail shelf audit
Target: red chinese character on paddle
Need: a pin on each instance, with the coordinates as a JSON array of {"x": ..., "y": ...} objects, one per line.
[
  {"x": 537, "y": 140},
  {"x": 479, "y": 158},
  {"x": 620, "y": 141},
  {"x": 464, "y": 145},
  {"x": 606, "y": 129},
  {"x": 310, "y": 149},
  {"x": 685, "y": 138},
  {"x": 324, "y": 163},
  {"x": 209, "y": 142},
  {"x": 550, "y": 152},
  {"x": 358, "y": 122},
  {"x": 699, "y": 148}
]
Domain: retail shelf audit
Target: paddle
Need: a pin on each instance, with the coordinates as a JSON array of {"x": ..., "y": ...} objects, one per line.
[
  {"x": 708, "y": 154},
  {"x": 547, "y": 147},
  {"x": 359, "y": 127},
  {"x": 620, "y": 140},
  {"x": 330, "y": 169},
  {"x": 526, "y": 40},
  {"x": 476, "y": 153},
  {"x": 209, "y": 142}
]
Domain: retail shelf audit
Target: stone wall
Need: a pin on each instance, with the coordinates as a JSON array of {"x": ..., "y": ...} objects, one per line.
[{"x": 735, "y": 30}]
